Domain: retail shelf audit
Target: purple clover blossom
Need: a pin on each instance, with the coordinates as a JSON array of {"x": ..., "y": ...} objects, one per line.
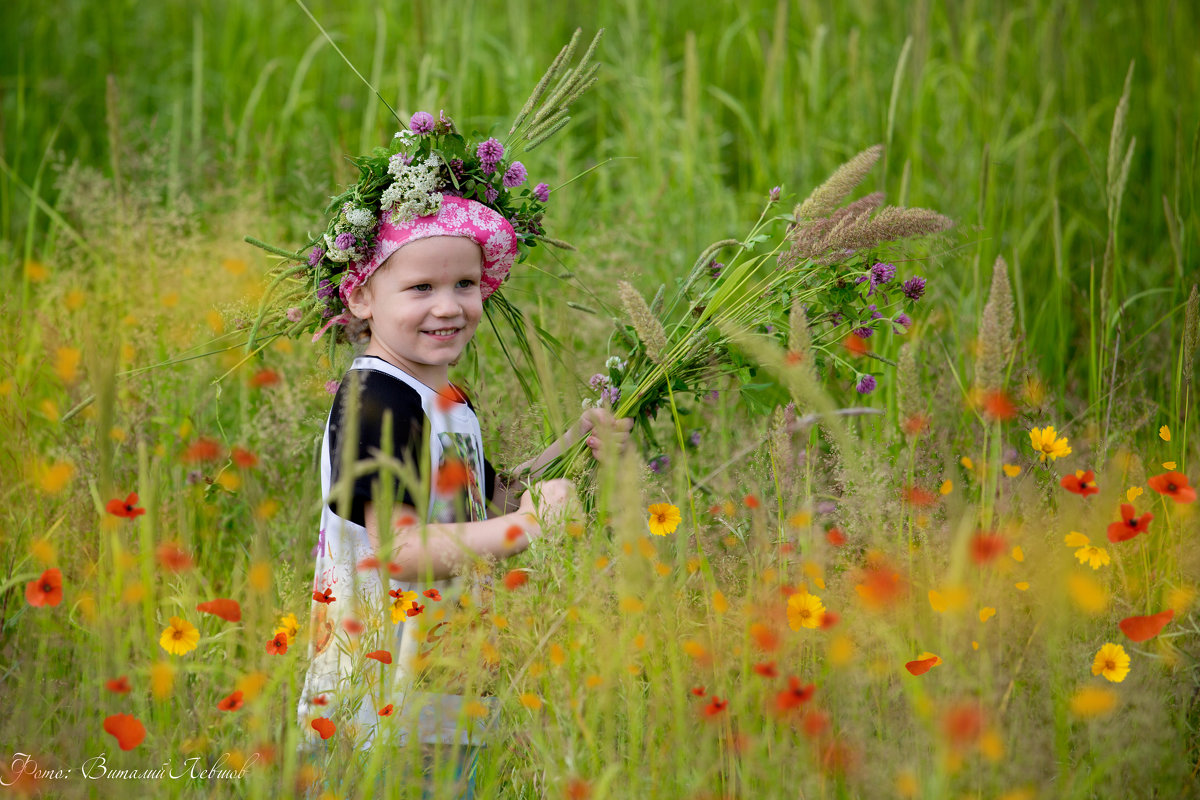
[
  {"x": 445, "y": 124},
  {"x": 344, "y": 241},
  {"x": 611, "y": 395},
  {"x": 490, "y": 194},
  {"x": 715, "y": 267},
  {"x": 913, "y": 288},
  {"x": 315, "y": 256},
  {"x": 660, "y": 464},
  {"x": 515, "y": 175},
  {"x": 542, "y": 193},
  {"x": 835, "y": 318},
  {"x": 456, "y": 167},
  {"x": 325, "y": 289},
  {"x": 294, "y": 314},
  {"x": 861, "y": 279},
  {"x": 903, "y": 320},
  {"x": 598, "y": 381},
  {"x": 332, "y": 386},
  {"x": 882, "y": 273},
  {"x": 489, "y": 154},
  {"x": 694, "y": 439},
  {"x": 773, "y": 195},
  {"x": 421, "y": 122},
  {"x": 864, "y": 332},
  {"x": 866, "y": 384}
]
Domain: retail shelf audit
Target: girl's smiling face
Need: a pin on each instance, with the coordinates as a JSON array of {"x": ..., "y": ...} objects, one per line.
[{"x": 424, "y": 304}]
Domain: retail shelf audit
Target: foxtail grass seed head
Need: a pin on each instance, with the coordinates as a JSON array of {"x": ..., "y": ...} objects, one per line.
[
  {"x": 649, "y": 329},
  {"x": 830, "y": 194},
  {"x": 1191, "y": 333},
  {"x": 995, "y": 332}
]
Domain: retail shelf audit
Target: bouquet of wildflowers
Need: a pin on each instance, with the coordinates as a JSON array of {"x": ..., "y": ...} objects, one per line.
[{"x": 818, "y": 291}]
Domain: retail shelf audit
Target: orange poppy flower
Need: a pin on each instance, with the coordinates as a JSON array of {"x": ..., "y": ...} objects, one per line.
[
  {"x": 1173, "y": 485},
  {"x": 914, "y": 424},
  {"x": 1130, "y": 525},
  {"x": 835, "y": 537},
  {"x": 1081, "y": 483},
  {"x": 386, "y": 711},
  {"x": 513, "y": 533},
  {"x": 126, "y": 508},
  {"x": 172, "y": 557},
  {"x": 449, "y": 396},
  {"x": 228, "y": 610},
  {"x": 382, "y": 656},
  {"x": 324, "y": 727},
  {"x": 46, "y": 590},
  {"x": 750, "y": 501},
  {"x": 1139, "y": 629},
  {"x": 203, "y": 449},
  {"x": 353, "y": 626},
  {"x": 368, "y": 563},
  {"x": 432, "y": 594},
  {"x": 325, "y": 596},
  {"x": 766, "y": 669},
  {"x": 815, "y": 723},
  {"x": 699, "y": 691},
  {"x": 128, "y": 731},
  {"x": 962, "y": 724},
  {"x": 263, "y": 378},
  {"x": 998, "y": 406},
  {"x": 515, "y": 579},
  {"x": 879, "y": 586},
  {"x": 244, "y": 458},
  {"x": 765, "y": 637},
  {"x": 320, "y": 700},
  {"x": 829, "y": 619},
  {"x": 118, "y": 685},
  {"x": 922, "y": 666},
  {"x": 986, "y": 547},
  {"x": 796, "y": 695},
  {"x": 922, "y": 498},
  {"x": 279, "y": 645},
  {"x": 416, "y": 609},
  {"x": 715, "y": 707},
  {"x": 856, "y": 345},
  {"x": 452, "y": 476},
  {"x": 231, "y": 703}
]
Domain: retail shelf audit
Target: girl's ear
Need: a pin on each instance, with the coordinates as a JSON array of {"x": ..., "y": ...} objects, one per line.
[{"x": 359, "y": 302}]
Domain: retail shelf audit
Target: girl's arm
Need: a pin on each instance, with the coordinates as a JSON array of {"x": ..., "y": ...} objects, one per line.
[{"x": 439, "y": 551}]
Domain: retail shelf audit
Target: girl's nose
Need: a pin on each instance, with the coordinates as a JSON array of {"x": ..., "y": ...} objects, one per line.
[{"x": 446, "y": 305}]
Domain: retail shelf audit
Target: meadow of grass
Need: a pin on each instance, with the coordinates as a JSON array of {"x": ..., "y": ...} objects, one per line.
[{"x": 141, "y": 143}]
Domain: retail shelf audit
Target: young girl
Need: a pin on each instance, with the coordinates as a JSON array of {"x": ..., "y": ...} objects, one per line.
[{"x": 421, "y": 291}]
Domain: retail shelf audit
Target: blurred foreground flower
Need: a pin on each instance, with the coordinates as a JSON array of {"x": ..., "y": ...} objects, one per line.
[
  {"x": 664, "y": 518},
  {"x": 128, "y": 731},
  {"x": 1093, "y": 701},
  {"x": 1173, "y": 485},
  {"x": 1112, "y": 662},
  {"x": 1047, "y": 444},
  {"x": 1139, "y": 629}
]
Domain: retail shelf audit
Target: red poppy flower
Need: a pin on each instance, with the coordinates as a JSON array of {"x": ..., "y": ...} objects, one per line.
[
  {"x": 231, "y": 703},
  {"x": 766, "y": 669},
  {"x": 578, "y": 789},
  {"x": 796, "y": 695},
  {"x": 835, "y": 537},
  {"x": 715, "y": 510},
  {"x": 515, "y": 579},
  {"x": 750, "y": 501},
  {"x": 765, "y": 637},
  {"x": 914, "y": 424},
  {"x": 416, "y": 608},
  {"x": 173, "y": 558},
  {"x": 915, "y": 495},
  {"x": 320, "y": 700},
  {"x": 432, "y": 594},
  {"x": 126, "y": 508},
  {"x": 353, "y": 626},
  {"x": 513, "y": 533},
  {"x": 128, "y": 731},
  {"x": 1130, "y": 525},
  {"x": 228, "y": 610},
  {"x": 716, "y": 706},
  {"x": 920, "y": 667},
  {"x": 1139, "y": 629},
  {"x": 986, "y": 547},
  {"x": 452, "y": 476},
  {"x": 962, "y": 724},
  {"x": 325, "y": 596},
  {"x": 203, "y": 449},
  {"x": 244, "y": 458},
  {"x": 699, "y": 691},
  {"x": 368, "y": 563},
  {"x": 46, "y": 590},
  {"x": 382, "y": 656},
  {"x": 449, "y": 396},
  {"x": 1081, "y": 483},
  {"x": 118, "y": 685},
  {"x": 263, "y": 378},
  {"x": 879, "y": 586},
  {"x": 386, "y": 711},
  {"x": 278, "y": 646},
  {"x": 856, "y": 345},
  {"x": 324, "y": 727},
  {"x": 829, "y": 619},
  {"x": 815, "y": 723},
  {"x": 1173, "y": 485},
  {"x": 998, "y": 406}
]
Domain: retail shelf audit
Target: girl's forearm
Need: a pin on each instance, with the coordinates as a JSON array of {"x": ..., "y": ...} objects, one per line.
[
  {"x": 534, "y": 467},
  {"x": 438, "y": 551}
]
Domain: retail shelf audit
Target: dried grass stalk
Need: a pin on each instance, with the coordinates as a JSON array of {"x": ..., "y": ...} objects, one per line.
[{"x": 995, "y": 332}]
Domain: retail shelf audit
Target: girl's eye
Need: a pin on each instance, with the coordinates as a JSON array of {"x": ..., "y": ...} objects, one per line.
[
  {"x": 422, "y": 287},
  {"x": 466, "y": 283}
]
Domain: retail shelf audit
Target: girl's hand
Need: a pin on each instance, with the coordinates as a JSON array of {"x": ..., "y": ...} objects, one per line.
[
  {"x": 551, "y": 502},
  {"x": 600, "y": 426}
]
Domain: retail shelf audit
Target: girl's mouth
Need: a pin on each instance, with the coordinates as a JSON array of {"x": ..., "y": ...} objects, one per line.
[{"x": 443, "y": 334}]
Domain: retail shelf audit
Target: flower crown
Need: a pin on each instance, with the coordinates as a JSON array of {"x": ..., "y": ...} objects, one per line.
[{"x": 409, "y": 178}]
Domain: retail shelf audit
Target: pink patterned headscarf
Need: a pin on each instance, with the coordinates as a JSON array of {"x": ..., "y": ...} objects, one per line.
[{"x": 458, "y": 216}]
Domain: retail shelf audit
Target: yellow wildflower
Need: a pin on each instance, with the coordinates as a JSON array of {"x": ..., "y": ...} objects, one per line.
[
  {"x": 179, "y": 637},
  {"x": 1112, "y": 662},
  {"x": 805, "y": 611},
  {"x": 1048, "y": 444},
  {"x": 664, "y": 518}
]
